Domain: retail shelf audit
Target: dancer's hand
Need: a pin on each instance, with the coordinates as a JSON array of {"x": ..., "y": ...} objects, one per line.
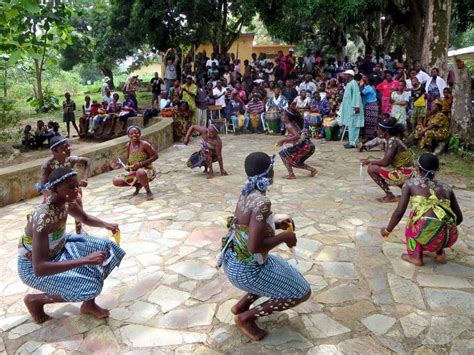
[
  {"x": 96, "y": 258},
  {"x": 365, "y": 161},
  {"x": 137, "y": 166},
  {"x": 115, "y": 165},
  {"x": 186, "y": 140},
  {"x": 83, "y": 183},
  {"x": 384, "y": 232},
  {"x": 113, "y": 227},
  {"x": 289, "y": 238},
  {"x": 286, "y": 223}
]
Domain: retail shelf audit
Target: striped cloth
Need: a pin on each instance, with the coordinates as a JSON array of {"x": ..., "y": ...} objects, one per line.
[
  {"x": 275, "y": 279},
  {"x": 81, "y": 283}
]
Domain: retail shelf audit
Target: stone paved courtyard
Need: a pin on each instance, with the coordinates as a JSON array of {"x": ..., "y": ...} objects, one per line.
[{"x": 167, "y": 297}]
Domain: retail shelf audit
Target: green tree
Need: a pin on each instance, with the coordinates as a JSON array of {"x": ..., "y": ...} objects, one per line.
[
  {"x": 166, "y": 23},
  {"x": 34, "y": 31},
  {"x": 105, "y": 45}
]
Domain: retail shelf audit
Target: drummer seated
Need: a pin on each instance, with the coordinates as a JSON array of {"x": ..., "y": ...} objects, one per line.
[
  {"x": 255, "y": 107},
  {"x": 320, "y": 105},
  {"x": 234, "y": 109}
]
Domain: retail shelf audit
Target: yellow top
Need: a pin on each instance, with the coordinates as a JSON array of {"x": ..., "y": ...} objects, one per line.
[{"x": 440, "y": 207}]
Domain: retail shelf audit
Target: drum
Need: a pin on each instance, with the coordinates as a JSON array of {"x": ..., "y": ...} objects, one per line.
[
  {"x": 254, "y": 118},
  {"x": 314, "y": 121},
  {"x": 167, "y": 112},
  {"x": 240, "y": 121},
  {"x": 273, "y": 121}
]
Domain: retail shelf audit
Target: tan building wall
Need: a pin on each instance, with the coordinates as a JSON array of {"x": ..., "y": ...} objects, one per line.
[
  {"x": 244, "y": 47},
  {"x": 150, "y": 69}
]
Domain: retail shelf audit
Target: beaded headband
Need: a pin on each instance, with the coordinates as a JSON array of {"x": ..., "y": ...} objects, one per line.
[
  {"x": 58, "y": 143},
  {"x": 50, "y": 185},
  {"x": 260, "y": 181},
  {"x": 133, "y": 127},
  {"x": 385, "y": 126},
  {"x": 427, "y": 172}
]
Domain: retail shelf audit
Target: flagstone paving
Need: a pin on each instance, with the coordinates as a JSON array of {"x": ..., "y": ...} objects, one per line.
[{"x": 167, "y": 297}]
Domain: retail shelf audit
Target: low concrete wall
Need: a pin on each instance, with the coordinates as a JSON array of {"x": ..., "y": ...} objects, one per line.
[{"x": 17, "y": 182}]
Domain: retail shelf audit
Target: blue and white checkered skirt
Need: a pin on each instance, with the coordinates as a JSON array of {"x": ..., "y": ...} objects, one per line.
[
  {"x": 81, "y": 283},
  {"x": 275, "y": 279}
]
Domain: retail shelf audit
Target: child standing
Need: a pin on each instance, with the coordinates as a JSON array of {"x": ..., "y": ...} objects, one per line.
[
  {"x": 432, "y": 225},
  {"x": 69, "y": 106}
]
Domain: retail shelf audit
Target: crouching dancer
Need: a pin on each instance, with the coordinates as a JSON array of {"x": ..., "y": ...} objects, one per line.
[
  {"x": 245, "y": 253},
  {"x": 66, "y": 268},
  {"x": 432, "y": 224}
]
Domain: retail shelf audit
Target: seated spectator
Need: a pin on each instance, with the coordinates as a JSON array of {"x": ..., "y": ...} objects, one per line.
[
  {"x": 28, "y": 138},
  {"x": 107, "y": 99},
  {"x": 234, "y": 111},
  {"x": 434, "y": 130},
  {"x": 86, "y": 115},
  {"x": 41, "y": 134},
  {"x": 175, "y": 93},
  {"x": 307, "y": 85},
  {"x": 113, "y": 110},
  {"x": 93, "y": 123},
  {"x": 302, "y": 103},
  {"x": 213, "y": 70},
  {"x": 447, "y": 102},
  {"x": 53, "y": 129},
  {"x": 128, "y": 110}
]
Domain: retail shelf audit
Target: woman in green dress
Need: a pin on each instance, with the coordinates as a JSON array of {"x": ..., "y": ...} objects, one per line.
[{"x": 139, "y": 169}]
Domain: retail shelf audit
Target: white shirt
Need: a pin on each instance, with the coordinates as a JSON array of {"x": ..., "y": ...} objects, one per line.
[
  {"x": 221, "y": 100},
  {"x": 210, "y": 61},
  {"x": 422, "y": 77},
  {"x": 440, "y": 83},
  {"x": 300, "y": 103},
  {"x": 108, "y": 99},
  {"x": 308, "y": 86}
]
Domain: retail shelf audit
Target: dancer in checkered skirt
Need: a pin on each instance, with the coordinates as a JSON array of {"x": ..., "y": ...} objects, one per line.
[
  {"x": 66, "y": 268},
  {"x": 245, "y": 252}
]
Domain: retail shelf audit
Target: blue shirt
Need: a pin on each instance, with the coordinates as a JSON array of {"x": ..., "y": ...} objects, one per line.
[{"x": 368, "y": 95}]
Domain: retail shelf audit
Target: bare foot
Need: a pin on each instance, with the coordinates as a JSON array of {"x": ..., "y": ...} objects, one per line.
[
  {"x": 210, "y": 175},
  {"x": 137, "y": 190},
  {"x": 35, "y": 305},
  {"x": 441, "y": 258},
  {"x": 289, "y": 177},
  {"x": 388, "y": 199},
  {"x": 242, "y": 306},
  {"x": 250, "y": 329},
  {"x": 412, "y": 259},
  {"x": 313, "y": 173},
  {"x": 90, "y": 307},
  {"x": 149, "y": 196}
]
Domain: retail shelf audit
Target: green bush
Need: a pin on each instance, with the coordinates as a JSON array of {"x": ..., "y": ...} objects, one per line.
[
  {"x": 9, "y": 119},
  {"x": 50, "y": 103}
]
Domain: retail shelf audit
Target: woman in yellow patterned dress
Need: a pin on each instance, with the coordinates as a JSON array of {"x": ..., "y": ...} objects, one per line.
[
  {"x": 435, "y": 129},
  {"x": 397, "y": 166},
  {"x": 139, "y": 171}
]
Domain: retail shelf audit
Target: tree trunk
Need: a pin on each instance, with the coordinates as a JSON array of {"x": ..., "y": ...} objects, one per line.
[
  {"x": 108, "y": 72},
  {"x": 414, "y": 35},
  {"x": 5, "y": 82},
  {"x": 436, "y": 35},
  {"x": 39, "y": 84},
  {"x": 461, "y": 122}
]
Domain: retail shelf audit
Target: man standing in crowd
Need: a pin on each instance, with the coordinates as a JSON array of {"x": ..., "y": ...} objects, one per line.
[
  {"x": 352, "y": 109},
  {"x": 156, "y": 90}
]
